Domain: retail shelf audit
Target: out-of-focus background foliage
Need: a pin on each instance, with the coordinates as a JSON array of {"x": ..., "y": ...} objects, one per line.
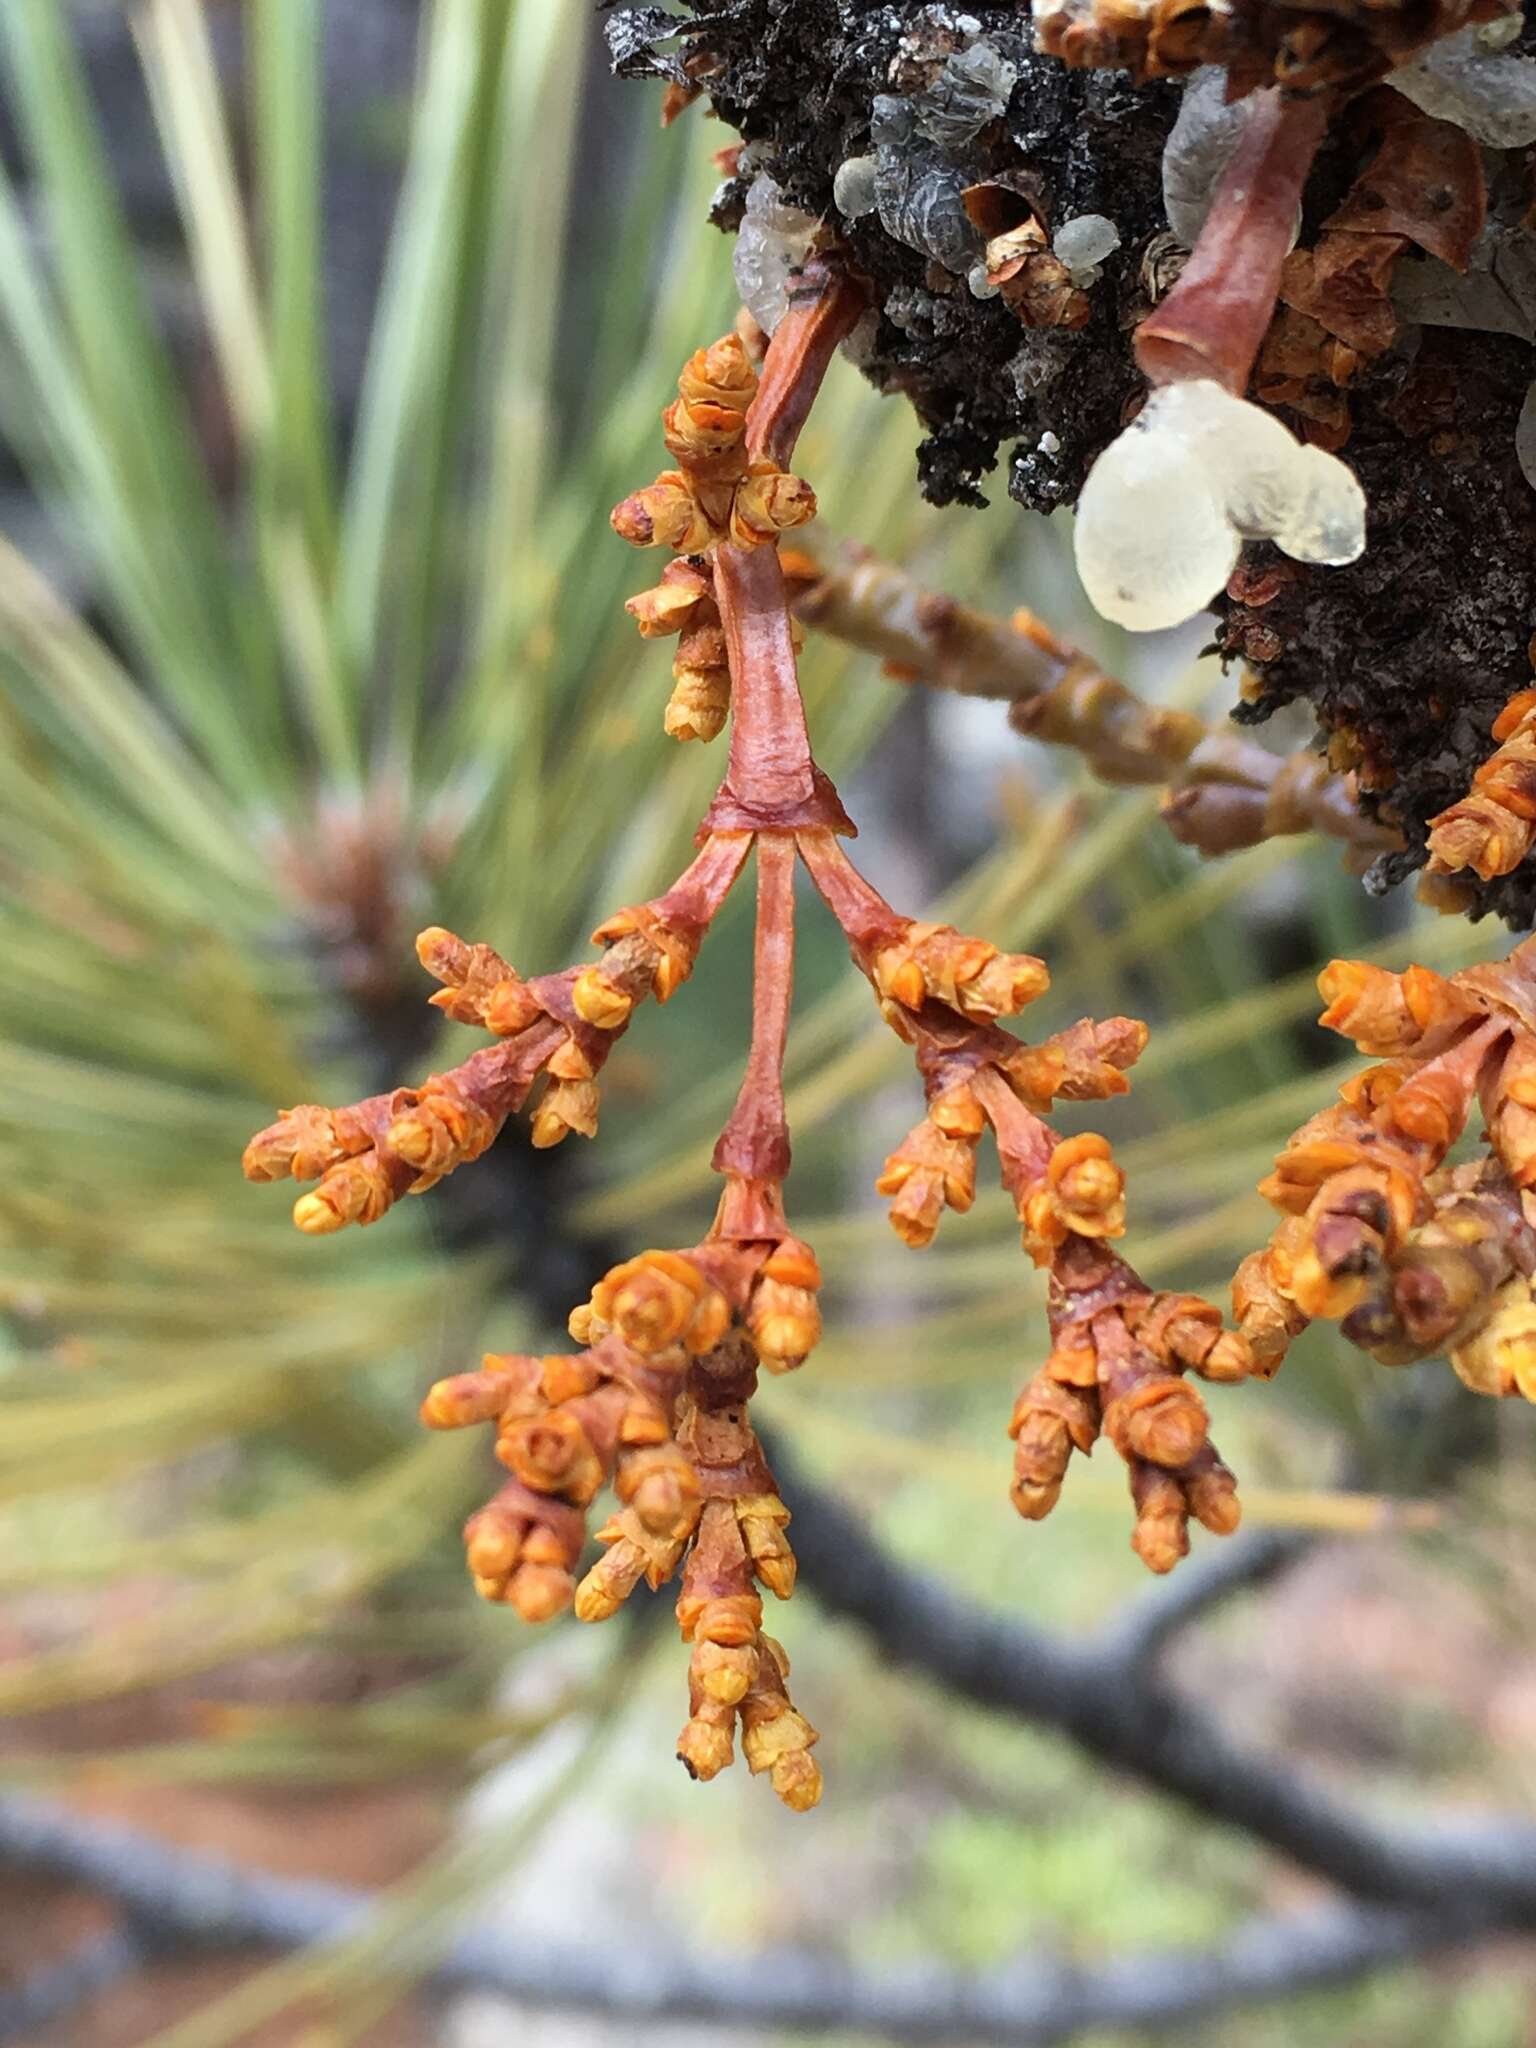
[{"x": 329, "y": 331}]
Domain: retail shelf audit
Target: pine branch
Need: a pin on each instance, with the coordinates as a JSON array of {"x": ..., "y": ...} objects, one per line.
[
  {"x": 185, "y": 1899},
  {"x": 1164, "y": 1611},
  {"x": 55, "y": 1989},
  {"x": 1103, "y": 1699}
]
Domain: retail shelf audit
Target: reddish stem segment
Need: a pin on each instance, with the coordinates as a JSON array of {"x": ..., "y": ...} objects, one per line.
[
  {"x": 696, "y": 896},
  {"x": 1212, "y": 323},
  {"x": 825, "y": 304},
  {"x": 868, "y": 921},
  {"x": 1025, "y": 1141},
  {"x": 755, "y": 1143},
  {"x": 770, "y": 769}
]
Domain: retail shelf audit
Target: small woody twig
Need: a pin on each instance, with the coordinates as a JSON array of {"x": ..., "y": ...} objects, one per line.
[{"x": 1224, "y": 793}]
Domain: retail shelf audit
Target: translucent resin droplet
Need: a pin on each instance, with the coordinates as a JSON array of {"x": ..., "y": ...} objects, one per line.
[
  {"x": 774, "y": 239},
  {"x": 1198, "y": 146},
  {"x": 1525, "y": 438},
  {"x": 1485, "y": 90},
  {"x": 971, "y": 89},
  {"x": 1168, "y": 504}
]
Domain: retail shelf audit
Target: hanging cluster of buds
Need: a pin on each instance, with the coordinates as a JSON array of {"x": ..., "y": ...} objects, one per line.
[
  {"x": 717, "y": 492},
  {"x": 655, "y": 1407},
  {"x": 1413, "y": 1256},
  {"x": 1493, "y": 827},
  {"x": 1119, "y": 1351},
  {"x": 683, "y": 603},
  {"x": 654, "y": 1404},
  {"x": 563, "y": 1026}
]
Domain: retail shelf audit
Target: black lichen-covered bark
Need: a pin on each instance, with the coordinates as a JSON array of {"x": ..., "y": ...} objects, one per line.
[
  {"x": 1408, "y": 655},
  {"x": 799, "y": 78}
]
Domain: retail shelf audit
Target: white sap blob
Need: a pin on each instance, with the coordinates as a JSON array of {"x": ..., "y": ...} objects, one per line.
[
  {"x": 774, "y": 239},
  {"x": 1467, "y": 78},
  {"x": 1169, "y": 503},
  {"x": 1082, "y": 245},
  {"x": 853, "y": 189}
]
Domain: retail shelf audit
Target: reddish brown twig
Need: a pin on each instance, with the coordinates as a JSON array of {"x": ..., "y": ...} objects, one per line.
[
  {"x": 755, "y": 1142},
  {"x": 825, "y": 305},
  {"x": 1212, "y": 323}
]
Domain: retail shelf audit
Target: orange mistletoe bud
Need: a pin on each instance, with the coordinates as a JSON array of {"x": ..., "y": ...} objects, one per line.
[
  {"x": 1084, "y": 1063},
  {"x": 1049, "y": 1422},
  {"x": 731, "y": 1620},
  {"x": 1161, "y": 1535},
  {"x": 1387, "y": 1013},
  {"x": 658, "y": 1299},
  {"x": 783, "y": 1319},
  {"x": 957, "y": 1113},
  {"x": 1157, "y": 1417},
  {"x": 478, "y": 985},
  {"x": 553, "y": 1453},
  {"x": 970, "y": 975},
  {"x": 634, "y": 1553},
  {"x": 1087, "y": 1188},
  {"x": 699, "y": 704},
  {"x": 1263, "y": 1304},
  {"x": 722, "y": 1672},
  {"x": 1429, "y": 1109},
  {"x": 305, "y": 1141},
  {"x": 927, "y": 1171},
  {"x": 761, "y": 1518},
  {"x": 597, "y": 1002},
  {"x": 520, "y": 1550},
  {"x": 470, "y": 1397},
  {"x": 567, "y": 1106},
  {"x": 1183, "y": 1330},
  {"x": 662, "y": 1488},
  {"x": 775, "y": 1736},
  {"x": 705, "y": 1748},
  {"x": 767, "y": 503},
  {"x": 1492, "y": 829},
  {"x": 720, "y": 375},
  {"x": 1212, "y": 1494},
  {"x": 684, "y": 597},
  {"x": 666, "y": 514},
  {"x": 442, "y": 1130},
  {"x": 357, "y": 1191},
  {"x": 1501, "y": 1358}
]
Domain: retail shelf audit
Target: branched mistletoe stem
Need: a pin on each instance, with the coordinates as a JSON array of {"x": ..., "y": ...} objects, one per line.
[{"x": 654, "y": 1404}]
